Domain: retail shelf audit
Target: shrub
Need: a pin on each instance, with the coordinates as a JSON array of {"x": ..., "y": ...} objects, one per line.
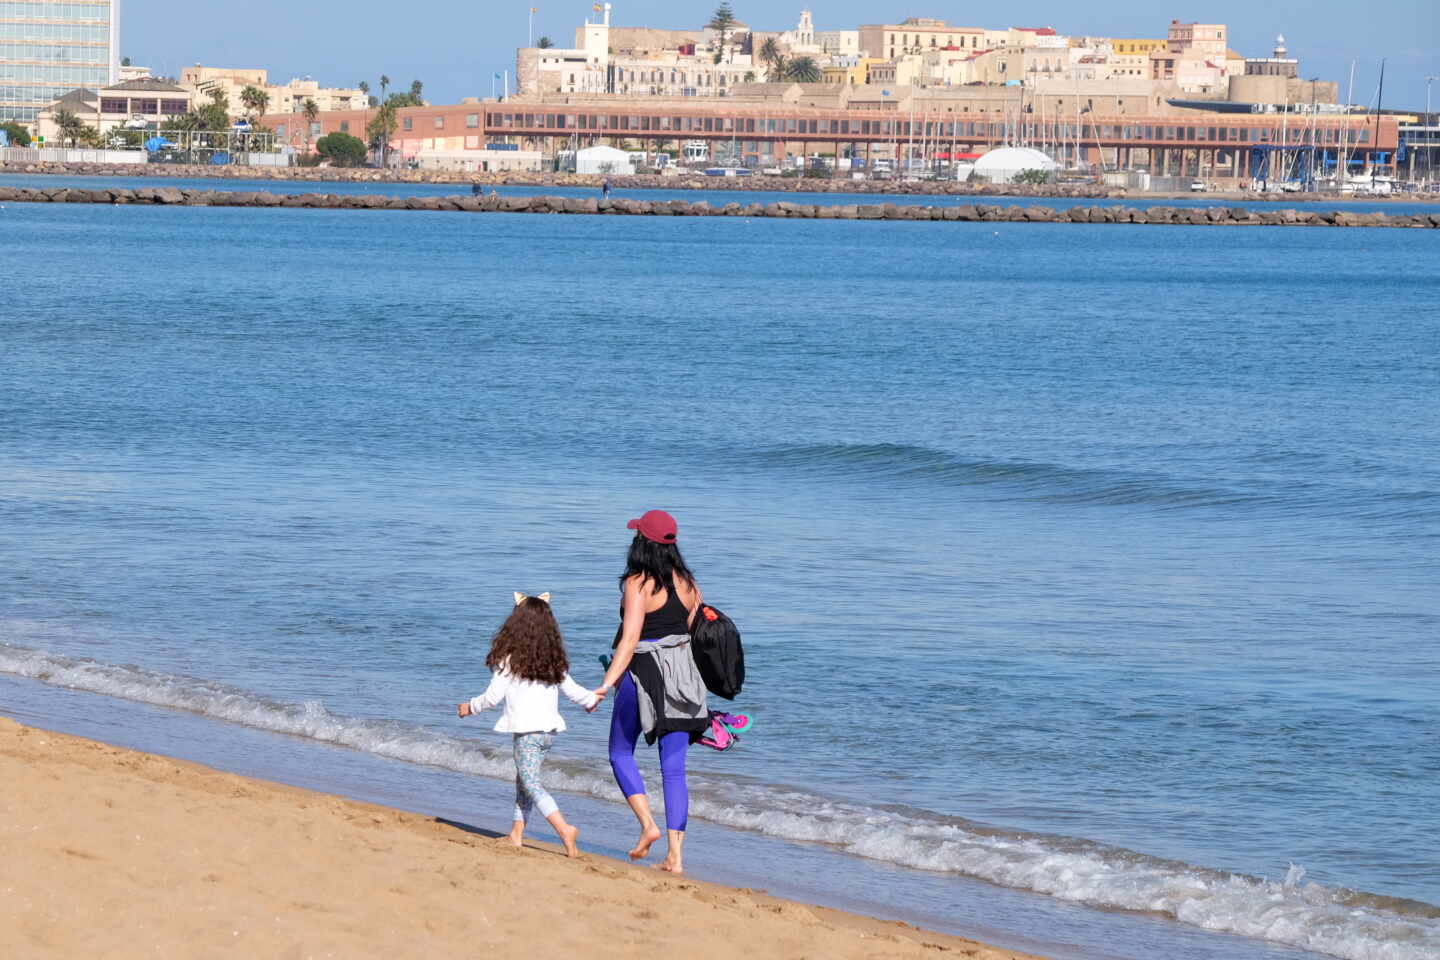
[
  {"x": 341, "y": 149},
  {"x": 1036, "y": 177},
  {"x": 19, "y": 136}
]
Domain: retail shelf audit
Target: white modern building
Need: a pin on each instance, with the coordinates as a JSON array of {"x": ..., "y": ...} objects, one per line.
[{"x": 48, "y": 49}]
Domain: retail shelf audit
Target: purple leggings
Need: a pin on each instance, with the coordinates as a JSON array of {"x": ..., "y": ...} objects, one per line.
[{"x": 624, "y": 732}]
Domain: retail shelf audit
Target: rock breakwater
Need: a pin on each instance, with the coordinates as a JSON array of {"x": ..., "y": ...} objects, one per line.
[
  {"x": 687, "y": 181},
  {"x": 622, "y": 206}
]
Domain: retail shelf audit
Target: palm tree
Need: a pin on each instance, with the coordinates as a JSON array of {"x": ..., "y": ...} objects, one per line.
[
  {"x": 311, "y": 110},
  {"x": 545, "y": 43},
  {"x": 380, "y": 129},
  {"x": 254, "y": 100},
  {"x": 384, "y": 85},
  {"x": 415, "y": 99},
  {"x": 771, "y": 54},
  {"x": 722, "y": 22},
  {"x": 71, "y": 127},
  {"x": 803, "y": 70},
  {"x": 364, "y": 89}
]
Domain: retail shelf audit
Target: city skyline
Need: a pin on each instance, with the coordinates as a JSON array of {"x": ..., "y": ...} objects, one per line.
[{"x": 1325, "y": 36}]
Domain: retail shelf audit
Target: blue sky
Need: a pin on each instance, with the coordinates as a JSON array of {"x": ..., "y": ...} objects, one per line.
[{"x": 455, "y": 47}]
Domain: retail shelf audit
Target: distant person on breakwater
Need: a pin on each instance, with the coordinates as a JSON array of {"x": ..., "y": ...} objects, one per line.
[
  {"x": 530, "y": 668},
  {"x": 605, "y": 189},
  {"x": 658, "y": 600}
]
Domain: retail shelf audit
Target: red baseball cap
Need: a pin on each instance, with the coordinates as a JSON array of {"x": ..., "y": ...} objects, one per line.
[{"x": 656, "y": 525}]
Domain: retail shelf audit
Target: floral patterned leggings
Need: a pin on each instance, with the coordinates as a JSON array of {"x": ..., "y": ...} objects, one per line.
[{"x": 530, "y": 750}]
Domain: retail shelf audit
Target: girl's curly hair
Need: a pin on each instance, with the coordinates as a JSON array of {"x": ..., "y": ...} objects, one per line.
[{"x": 528, "y": 644}]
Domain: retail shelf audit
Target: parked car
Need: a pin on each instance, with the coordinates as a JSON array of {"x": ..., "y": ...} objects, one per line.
[{"x": 1198, "y": 186}]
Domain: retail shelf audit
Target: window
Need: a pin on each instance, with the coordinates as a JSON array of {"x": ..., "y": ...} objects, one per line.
[
  {"x": 344, "y": 126},
  {"x": 472, "y": 120},
  {"x": 315, "y": 129},
  {"x": 439, "y": 123},
  {"x": 173, "y": 108},
  {"x": 112, "y": 104},
  {"x": 408, "y": 123}
]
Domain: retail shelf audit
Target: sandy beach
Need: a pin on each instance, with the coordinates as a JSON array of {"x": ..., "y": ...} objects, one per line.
[{"x": 113, "y": 853}]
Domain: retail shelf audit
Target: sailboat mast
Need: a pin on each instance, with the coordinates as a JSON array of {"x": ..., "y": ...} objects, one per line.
[
  {"x": 1375, "y": 137},
  {"x": 1342, "y": 174}
]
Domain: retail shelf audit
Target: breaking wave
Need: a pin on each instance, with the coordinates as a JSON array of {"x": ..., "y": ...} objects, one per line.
[{"x": 1290, "y": 910}]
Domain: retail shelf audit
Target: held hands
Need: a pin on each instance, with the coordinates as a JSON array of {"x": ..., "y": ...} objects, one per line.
[
  {"x": 600, "y": 694},
  {"x": 464, "y": 710}
]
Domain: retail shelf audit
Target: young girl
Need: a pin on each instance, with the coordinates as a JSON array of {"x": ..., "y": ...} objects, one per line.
[{"x": 528, "y": 660}]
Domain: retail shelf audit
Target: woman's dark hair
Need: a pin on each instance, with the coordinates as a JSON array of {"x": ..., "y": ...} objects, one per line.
[
  {"x": 656, "y": 562},
  {"x": 528, "y": 644}
]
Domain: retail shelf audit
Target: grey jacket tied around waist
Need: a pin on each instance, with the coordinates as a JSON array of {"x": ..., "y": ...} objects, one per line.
[{"x": 670, "y": 689}]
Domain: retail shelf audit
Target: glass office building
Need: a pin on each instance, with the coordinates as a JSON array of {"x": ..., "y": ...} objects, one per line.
[{"x": 48, "y": 49}]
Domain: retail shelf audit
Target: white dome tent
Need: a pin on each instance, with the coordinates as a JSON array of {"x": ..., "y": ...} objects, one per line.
[
  {"x": 603, "y": 160},
  {"x": 1003, "y": 163}
]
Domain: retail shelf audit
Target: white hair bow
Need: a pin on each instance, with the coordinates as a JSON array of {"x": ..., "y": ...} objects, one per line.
[{"x": 521, "y": 598}]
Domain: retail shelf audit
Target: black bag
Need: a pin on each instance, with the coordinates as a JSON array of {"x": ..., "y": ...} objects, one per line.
[{"x": 719, "y": 656}]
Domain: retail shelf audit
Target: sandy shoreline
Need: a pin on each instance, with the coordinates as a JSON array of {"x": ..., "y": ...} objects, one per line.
[{"x": 114, "y": 853}]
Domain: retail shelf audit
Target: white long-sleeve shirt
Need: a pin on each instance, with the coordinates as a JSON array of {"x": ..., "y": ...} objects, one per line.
[{"x": 530, "y": 706}]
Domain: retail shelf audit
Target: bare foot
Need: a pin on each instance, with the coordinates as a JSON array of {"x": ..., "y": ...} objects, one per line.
[
  {"x": 670, "y": 865},
  {"x": 568, "y": 836},
  {"x": 516, "y": 840},
  {"x": 648, "y": 836}
]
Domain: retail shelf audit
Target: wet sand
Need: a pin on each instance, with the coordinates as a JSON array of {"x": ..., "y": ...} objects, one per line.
[{"x": 113, "y": 853}]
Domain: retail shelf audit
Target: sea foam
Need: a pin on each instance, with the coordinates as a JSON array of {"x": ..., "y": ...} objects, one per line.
[{"x": 1288, "y": 910}]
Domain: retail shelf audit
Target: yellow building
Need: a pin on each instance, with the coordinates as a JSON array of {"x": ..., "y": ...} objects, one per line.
[
  {"x": 1136, "y": 48},
  {"x": 853, "y": 75}
]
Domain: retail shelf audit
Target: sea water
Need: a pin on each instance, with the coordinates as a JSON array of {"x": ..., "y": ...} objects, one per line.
[{"x": 1094, "y": 564}]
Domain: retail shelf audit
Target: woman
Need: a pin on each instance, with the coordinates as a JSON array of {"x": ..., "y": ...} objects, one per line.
[{"x": 658, "y": 690}]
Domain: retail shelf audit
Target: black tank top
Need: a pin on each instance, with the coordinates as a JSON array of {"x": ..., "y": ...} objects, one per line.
[{"x": 670, "y": 618}]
